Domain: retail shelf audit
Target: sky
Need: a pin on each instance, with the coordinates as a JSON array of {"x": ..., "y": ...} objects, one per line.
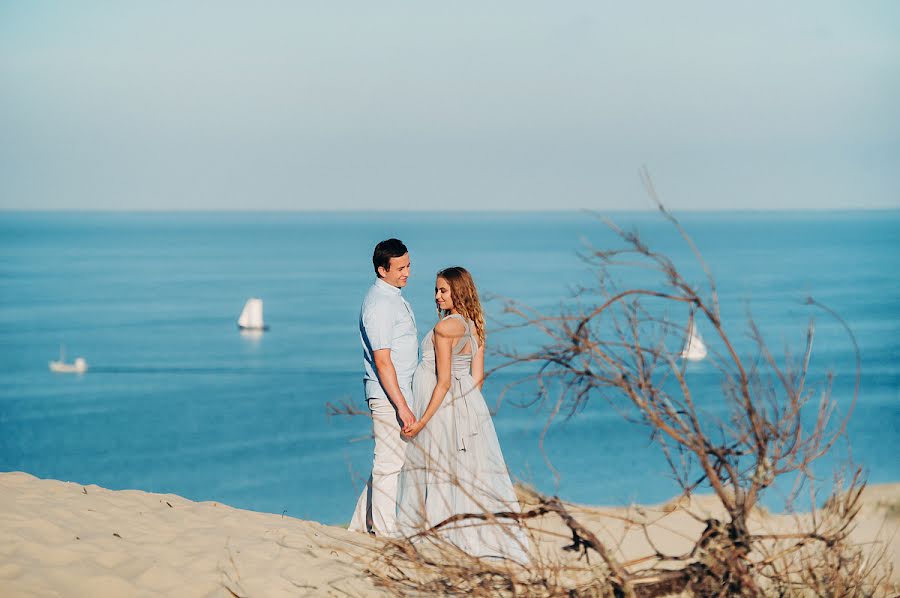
[{"x": 448, "y": 106}]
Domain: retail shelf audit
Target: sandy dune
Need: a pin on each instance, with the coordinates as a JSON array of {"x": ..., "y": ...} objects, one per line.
[{"x": 64, "y": 539}]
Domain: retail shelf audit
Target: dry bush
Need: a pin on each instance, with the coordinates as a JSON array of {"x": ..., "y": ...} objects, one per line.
[
  {"x": 428, "y": 564},
  {"x": 621, "y": 346}
]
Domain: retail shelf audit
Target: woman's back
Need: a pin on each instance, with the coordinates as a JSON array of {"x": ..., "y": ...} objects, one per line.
[{"x": 463, "y": 349}]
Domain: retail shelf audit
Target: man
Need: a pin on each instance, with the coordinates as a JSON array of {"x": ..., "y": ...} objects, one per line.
[{"x": 387, "y": 329}]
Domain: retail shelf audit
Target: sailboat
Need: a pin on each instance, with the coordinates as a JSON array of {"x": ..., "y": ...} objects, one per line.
[
  {"x": 252, "y": 315},
  {"x": 61, "y": 367},
  {"x": 694, "y": 349}
]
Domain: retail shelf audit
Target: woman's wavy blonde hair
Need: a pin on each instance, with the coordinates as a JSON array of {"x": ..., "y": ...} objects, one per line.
[{"x": 465, "y": 298}]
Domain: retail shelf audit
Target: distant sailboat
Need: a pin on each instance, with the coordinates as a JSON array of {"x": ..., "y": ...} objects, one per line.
[
  {"x": 61, "y": 367},
  {"x": 252, "y": 315},
  {"x": 694, "y": 349}
]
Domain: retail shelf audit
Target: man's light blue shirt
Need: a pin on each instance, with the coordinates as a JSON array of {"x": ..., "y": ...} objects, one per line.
[{"x": 386, "y": 321}]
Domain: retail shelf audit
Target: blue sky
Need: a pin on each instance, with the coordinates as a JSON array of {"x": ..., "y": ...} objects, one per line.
[{"x": 424, "y": 105}]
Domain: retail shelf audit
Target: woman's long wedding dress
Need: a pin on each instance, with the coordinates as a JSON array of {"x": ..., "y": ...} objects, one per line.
[{"x": 455, "y": 466}]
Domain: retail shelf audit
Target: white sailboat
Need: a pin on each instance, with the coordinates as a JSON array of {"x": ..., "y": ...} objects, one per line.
[
  {"x": 78, "y": 367},
  {"x": 694, "y": 349},
  {"x": 252, "y": 315}
]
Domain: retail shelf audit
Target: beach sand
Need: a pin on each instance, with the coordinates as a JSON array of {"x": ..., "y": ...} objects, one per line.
[{"x": 65, "y": 539}]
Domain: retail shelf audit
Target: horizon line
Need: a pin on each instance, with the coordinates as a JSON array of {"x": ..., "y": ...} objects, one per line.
[{"x": 434, "y": 211}]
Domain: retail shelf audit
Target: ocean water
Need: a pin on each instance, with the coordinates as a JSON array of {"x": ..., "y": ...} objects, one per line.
[{"x": 176, "y": 400}]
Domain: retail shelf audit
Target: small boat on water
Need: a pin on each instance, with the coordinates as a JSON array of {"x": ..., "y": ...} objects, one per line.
[
  {"x": 252, "y": 315},
  {"x": 694, "y": 349},
  {"x": 79, "y": 366}
]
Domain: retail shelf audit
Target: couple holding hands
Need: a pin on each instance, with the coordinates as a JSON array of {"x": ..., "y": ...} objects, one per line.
[{"x": 436, "y": 450}]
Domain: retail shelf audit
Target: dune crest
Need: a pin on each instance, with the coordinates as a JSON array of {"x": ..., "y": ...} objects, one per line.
[{"x": 62, "y": 538}]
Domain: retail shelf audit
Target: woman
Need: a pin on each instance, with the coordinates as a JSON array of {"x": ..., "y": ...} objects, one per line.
[{"x": 454, "y": 464}]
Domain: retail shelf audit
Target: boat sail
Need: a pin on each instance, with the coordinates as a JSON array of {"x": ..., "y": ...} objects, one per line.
[
  {"x": 252, "y": 315},
  {"x": 61, "y": 367},
  {"x": 694, "y": 349}
]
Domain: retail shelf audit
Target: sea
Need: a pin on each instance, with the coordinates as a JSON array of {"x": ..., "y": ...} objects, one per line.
[{"x": 177, "y": 400}]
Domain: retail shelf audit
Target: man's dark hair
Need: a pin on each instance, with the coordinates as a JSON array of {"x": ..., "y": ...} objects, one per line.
[{"x": 384, "y": 251}]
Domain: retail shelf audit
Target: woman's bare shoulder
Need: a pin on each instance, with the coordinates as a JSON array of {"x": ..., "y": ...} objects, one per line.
[{"x": 450, "y": 327}]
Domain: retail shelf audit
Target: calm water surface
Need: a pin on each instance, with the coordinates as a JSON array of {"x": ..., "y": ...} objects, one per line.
[{"x": 177, "y": 400}]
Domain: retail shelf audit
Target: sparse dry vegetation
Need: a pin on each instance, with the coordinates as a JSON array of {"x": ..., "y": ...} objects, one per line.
[{"x": 621, "y": 346}]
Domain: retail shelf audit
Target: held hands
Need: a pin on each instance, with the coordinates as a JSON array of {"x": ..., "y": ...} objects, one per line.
[
  {"x": 410, "y": 431},
  {"x": 411, "y": 427},
  {"x": 406, "y": 417}
]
